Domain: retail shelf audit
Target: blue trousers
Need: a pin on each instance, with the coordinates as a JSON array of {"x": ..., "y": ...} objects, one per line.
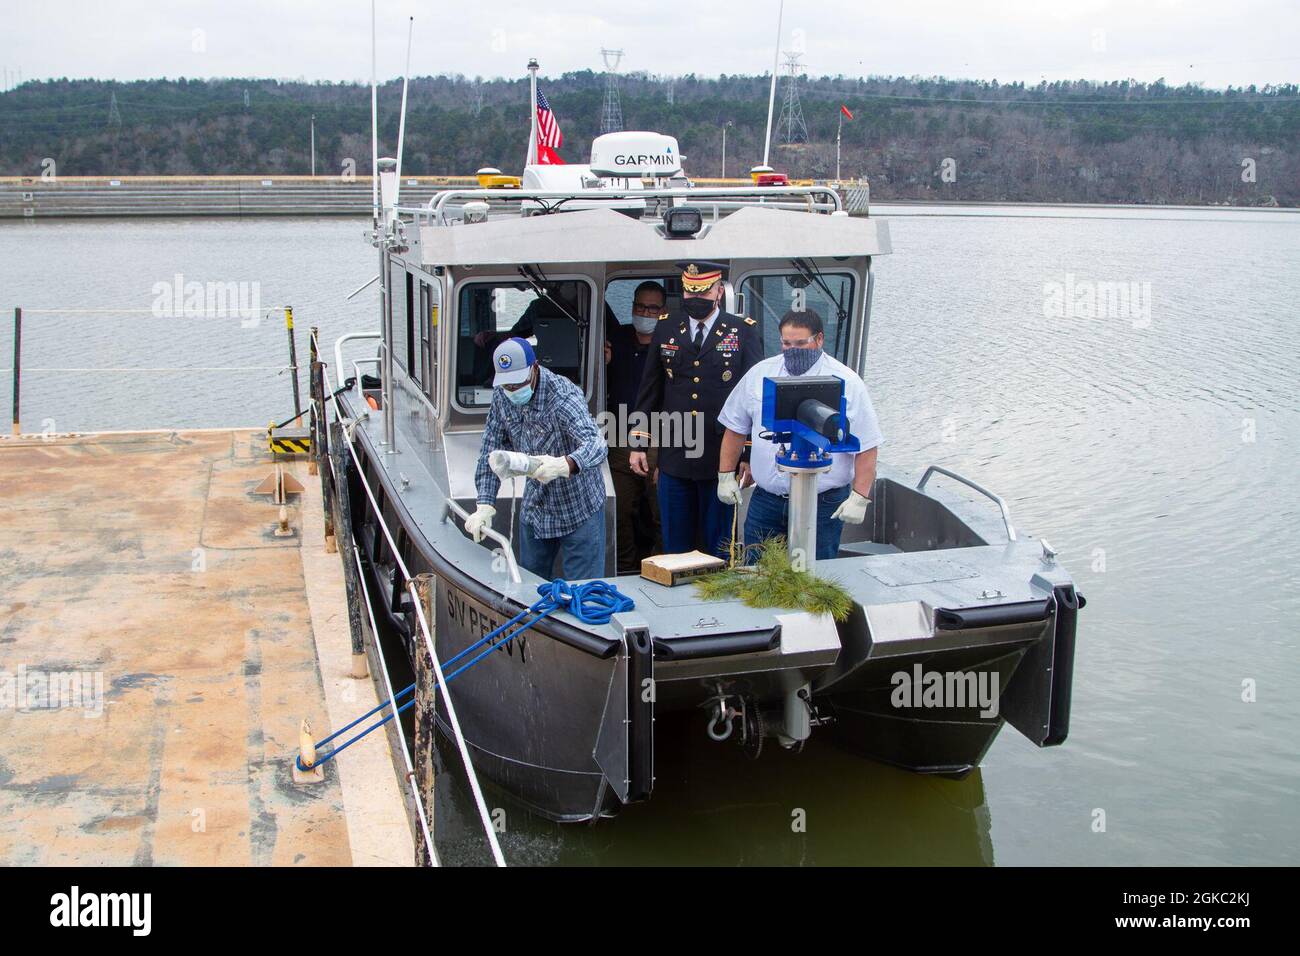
[
  {"x": 769, "y": 515},
  {"x": 691, "y": 516},
  {"x": 581, "y": 551}
]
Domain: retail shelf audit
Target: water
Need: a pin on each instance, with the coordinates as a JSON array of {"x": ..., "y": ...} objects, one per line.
[{"x": 1157, "y": 451}]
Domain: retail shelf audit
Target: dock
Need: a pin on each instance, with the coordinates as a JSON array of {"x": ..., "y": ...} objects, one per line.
[{"x": 160, "y": 645}]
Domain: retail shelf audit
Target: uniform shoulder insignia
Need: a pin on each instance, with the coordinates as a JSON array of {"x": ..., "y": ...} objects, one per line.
[
  {"x": 749, "y": 321},
  {"x": 664, "y": 316}
]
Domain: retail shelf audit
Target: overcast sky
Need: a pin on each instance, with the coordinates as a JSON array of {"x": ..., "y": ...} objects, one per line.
[{"x": 1216, "y": 42}]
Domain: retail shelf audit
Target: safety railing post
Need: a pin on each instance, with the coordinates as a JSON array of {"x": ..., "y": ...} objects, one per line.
[
  {"x": 426, "y": 728},
  {"x": 315, "y": 401},
  {"x": 343, "y": 528},
  {"x": 18, "y": 367},
  {"x": 293, "y": 364}
]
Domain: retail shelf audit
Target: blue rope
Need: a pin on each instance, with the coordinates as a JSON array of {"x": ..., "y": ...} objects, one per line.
[{"x": 592, "y": 603}]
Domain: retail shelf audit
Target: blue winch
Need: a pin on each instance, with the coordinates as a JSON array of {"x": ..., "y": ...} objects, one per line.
[{"x": 807, "y": 417}]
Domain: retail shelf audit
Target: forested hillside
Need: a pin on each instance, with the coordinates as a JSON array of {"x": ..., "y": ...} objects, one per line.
[{"x": 912, "y": 138}]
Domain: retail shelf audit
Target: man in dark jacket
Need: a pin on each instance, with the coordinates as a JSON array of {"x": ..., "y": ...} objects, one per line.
[{"x": 697, "y": 357}]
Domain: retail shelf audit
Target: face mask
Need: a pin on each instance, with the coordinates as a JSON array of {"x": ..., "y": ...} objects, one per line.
[
  {"x": 798, "y": 361},
  {"x": 698, "y": 309},
  {"x": 645, "y": 324},
  {"x": 520, "y": 396}
]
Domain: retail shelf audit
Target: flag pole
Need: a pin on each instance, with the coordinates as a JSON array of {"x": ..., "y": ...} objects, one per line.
[
  {"x": 771, "y": 95},
  {"x": 532, "y": 128},
  {"x": 838, "y": 132}
]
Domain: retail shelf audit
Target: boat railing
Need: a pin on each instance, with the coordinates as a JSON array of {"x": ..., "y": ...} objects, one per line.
[
  {"x": 506, "y": 548},
  {"x": 1002, "y": 505},
  {"x": 814, "y": 199},
  {"x": 338, "y": 350},
  {"x": 422, "y": 623}
]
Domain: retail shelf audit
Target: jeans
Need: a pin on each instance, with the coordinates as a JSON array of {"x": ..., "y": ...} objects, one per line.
[
  {"x": 691, "y": 517},
  {"x": 581, "y": 551},
  {"x": 769, "y": 515}
]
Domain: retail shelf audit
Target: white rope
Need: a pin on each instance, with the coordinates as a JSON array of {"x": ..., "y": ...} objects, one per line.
[
  {"x": 392, "y": 702},
  {"x": 488, "y": 829}
]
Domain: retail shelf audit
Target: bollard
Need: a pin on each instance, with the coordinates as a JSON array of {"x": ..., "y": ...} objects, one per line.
[{"x": 307, "y": 757}]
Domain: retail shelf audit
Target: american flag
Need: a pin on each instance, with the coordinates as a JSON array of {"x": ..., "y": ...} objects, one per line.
[{"x": 548, "y": 131}]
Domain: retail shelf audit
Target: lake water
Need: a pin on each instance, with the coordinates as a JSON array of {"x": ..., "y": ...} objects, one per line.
[{"x": 1155, "y": 445}]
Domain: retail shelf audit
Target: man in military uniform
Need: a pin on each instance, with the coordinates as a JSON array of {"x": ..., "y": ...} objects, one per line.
[{"x": 696, "y": 358}]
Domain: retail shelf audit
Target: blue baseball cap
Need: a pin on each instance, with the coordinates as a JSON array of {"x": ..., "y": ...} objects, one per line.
[{"x": 513, "y": 361}]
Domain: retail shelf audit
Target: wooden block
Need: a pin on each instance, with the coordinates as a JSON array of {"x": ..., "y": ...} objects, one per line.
[{"x": 673, "y": 569}]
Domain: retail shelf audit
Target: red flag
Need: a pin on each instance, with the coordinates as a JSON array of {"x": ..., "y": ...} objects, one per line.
[
  {"x": 845, "y": 110},
  {"x": 547, "y": 156}
]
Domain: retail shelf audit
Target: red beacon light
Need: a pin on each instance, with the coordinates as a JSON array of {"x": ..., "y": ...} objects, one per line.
[{"x": 766, "y": 176}]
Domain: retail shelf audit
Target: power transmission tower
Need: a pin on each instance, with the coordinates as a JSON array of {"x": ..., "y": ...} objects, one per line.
[
  {"x": 476, "y": 104},
  {"x": 114, "y": 115},
  {"x": 791, "y": 123},
  {"x": 611, "y": 119},
  {"x": 671, "y": 81}
]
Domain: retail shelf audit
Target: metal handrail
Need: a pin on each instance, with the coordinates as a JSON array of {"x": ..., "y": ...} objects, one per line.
[
  {"x": 492, "y": 533},
  {"x": 1006, "y": 512},
  {"x": 347, "y": 337},
  {"x": 831, "y": 198},
  {"x": 426, "y": 630}
]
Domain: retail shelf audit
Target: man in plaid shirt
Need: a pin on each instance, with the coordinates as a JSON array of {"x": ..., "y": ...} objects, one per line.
[{"x": 544, "y": 416}]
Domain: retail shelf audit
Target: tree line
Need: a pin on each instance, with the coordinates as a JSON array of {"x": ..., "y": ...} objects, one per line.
[{"x": 911, "y": 137}]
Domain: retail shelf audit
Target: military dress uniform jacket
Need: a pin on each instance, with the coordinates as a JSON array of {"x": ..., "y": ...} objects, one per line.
[{"x": 678, "y": 379}]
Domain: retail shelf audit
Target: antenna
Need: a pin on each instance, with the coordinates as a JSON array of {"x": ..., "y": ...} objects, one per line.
[
  {"x": 611, "y": 120},
  {"x": 374, "y": 125},
  {"x": 531, "y": 158},
  {"x": 791, "y": 121},
  {"x": 771, "y": 96},
  {"x": 401, "y": 125}
]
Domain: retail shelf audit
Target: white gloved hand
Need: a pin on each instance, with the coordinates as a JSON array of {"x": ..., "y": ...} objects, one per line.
[
  {"x": 549, "y": 468},
  {"x": 853, "y": 510},
  {"x": 728, "y": 488},
  {"x": 478, "y": 523},
  {"x": 511, "y": 464}
]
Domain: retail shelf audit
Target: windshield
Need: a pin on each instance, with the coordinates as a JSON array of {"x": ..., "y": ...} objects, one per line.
[{"x": 829, "y": 295}]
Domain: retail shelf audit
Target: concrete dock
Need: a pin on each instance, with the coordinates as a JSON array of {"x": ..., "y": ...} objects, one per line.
[{"x": 159, "y": 646}]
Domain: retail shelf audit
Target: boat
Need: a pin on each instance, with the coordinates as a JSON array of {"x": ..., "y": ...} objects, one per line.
[{"x": 959, "y": 623}]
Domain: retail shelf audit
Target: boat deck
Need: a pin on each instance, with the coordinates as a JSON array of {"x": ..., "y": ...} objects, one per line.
[{"x": 159, "y": 646}]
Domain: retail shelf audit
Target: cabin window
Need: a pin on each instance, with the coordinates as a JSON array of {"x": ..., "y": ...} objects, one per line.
[
  {"x": 430, "y": 299},
  {"x": 399, "y": 292},
  {"x": 555, "y": 323},
  {"x": 829, "y": 294}
]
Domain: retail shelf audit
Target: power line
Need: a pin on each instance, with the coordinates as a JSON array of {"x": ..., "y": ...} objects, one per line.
[
  {"x": 611, "y": 119},
  {"x": 791, "y": 121}
]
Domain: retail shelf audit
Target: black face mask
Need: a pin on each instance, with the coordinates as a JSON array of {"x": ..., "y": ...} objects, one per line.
[{"x": 698, "y": 309}]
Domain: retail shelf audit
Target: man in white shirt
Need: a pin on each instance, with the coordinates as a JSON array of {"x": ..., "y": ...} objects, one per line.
[{"x": 844, "y": 491}]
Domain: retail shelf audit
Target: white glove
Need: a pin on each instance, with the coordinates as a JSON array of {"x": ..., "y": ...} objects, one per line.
[
  {"x": 853, "y": 510},
  {"x": 478, "y": 523},
  {"x": 728, "y": 489},
  {"x": 549, "y": 468}
]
